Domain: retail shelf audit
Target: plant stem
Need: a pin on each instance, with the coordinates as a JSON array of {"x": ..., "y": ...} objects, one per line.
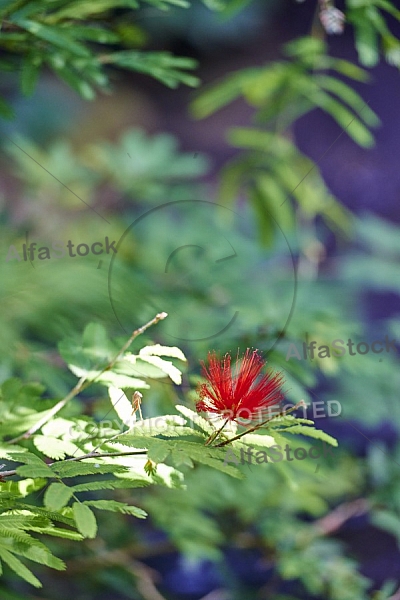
[
  {"x": 282, "y": 414},
  {"x": 83, "y": 383},
  {"x": 215, "y": 434}
]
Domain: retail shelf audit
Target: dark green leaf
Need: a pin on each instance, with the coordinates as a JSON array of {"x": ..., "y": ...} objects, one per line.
[{"x": 85, "y": 520}]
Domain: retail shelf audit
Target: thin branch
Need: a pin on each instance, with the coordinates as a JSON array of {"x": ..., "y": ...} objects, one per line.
[
  {"x": 342, "y": 513},
  {"x": 53, "y": 411},
  {"x": 84, "y": 457},
  {"x": 396, "y": 596},
  {"x": 101, "y": 556},
  {"x": 282, "y": 414},
  {"x": 144, "y": 576},
  {"x": 215, "y": 434},
  {"x": 216, "y": 595},
  {"x": 83, "y": 383}
]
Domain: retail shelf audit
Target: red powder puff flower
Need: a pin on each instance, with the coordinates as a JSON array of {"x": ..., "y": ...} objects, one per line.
[{"x": 243, "y": 394}]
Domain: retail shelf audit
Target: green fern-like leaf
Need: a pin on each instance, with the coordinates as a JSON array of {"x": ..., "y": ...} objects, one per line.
[
  {"x": 85, "y": 520},
  {"x": 111, "y": 484},
  {"x": 158, "y": 350},
  {"x": 310, "y": 432},
  {"x": 57, "y": 496},
  {"x": 167, "y": 426},
  {"x": 18, "y": 567},
  {"x": 55, "y": 448},
  {"x": 196, "y": 418},
  {"x": 114, "y": 506},
  {"x": 35, "y": 470},
  {"x": 57, "y": 532},
  {"x": 74, "y": 469},
  {"x": 48, "y": 514}
]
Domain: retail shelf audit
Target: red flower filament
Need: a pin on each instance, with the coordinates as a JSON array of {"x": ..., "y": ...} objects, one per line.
[{"x": 244, "y": 394}]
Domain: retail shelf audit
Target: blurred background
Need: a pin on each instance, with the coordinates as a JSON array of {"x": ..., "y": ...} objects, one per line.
[{"x": 245, "y": 241}]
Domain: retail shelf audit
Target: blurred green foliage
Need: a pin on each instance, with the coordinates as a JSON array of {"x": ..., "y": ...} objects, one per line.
[
  {"x": 272, "y": 171},
  {"x": 372, "y": 33},
  {"x": 201, "y": 295},
  {"x": 78, "y": 39}
]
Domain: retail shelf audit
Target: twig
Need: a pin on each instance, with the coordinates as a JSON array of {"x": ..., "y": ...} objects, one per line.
[
  {"x": 75, "y": 390},
  {"x": 215, "y": 434},
  {"x": 239, "y": 435},
  {"x": 85, "y": 456},
  {"x": 216, "y": 595},
  {"x": 144, "y": 575},
  {"x": 83, "y": 383},
  {"x": 145, "y": 584},
  {"x": 335, "y": 519},
  {"x": 137, "y": 550}
]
